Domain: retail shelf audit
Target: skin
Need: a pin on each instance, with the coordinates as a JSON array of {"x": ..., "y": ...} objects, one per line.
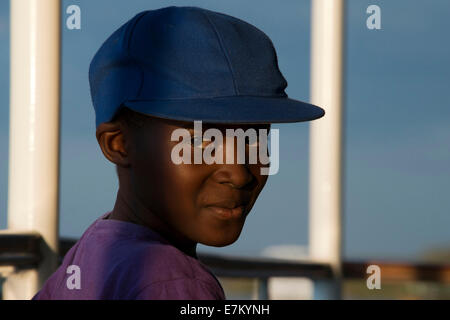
[{"x": 181, "y": 202}]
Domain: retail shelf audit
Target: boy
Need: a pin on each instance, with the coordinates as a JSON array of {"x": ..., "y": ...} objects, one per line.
[{"x": 155, "y": 75}]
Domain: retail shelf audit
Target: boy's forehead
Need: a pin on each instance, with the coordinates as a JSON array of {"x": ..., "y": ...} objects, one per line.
[
  {"x": 223, "y": 126},
  {"x": 170, "y": 123}
]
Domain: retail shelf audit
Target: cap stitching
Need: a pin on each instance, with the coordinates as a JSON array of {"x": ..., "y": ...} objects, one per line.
[
  {"x": 283, "y": 96},
  {"x": 223, "y": 51},
  {"x": 267, "y": 38},
  {"x": 130, "y": 36}
]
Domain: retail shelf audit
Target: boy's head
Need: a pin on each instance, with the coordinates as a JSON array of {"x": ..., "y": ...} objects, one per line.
[
  {"x": 157, "y": 74},
  {"x": 192, "y": 199}
]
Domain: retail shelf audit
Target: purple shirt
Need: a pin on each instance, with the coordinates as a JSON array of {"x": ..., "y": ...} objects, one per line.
[{"x": 123, "y": 260}]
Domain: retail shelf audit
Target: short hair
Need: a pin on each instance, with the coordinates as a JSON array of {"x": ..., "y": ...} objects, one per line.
[{"x": 131, "y": 119}]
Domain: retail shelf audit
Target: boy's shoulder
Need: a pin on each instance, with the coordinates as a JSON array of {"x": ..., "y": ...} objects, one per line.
[{"x": 120, "y": 260}]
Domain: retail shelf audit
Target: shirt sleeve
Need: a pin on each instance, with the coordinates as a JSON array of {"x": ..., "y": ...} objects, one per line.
[{"x": 180, "y": 289}]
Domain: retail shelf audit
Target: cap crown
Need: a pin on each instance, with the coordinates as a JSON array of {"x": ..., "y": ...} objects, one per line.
[{"x": 182, "y": 53}]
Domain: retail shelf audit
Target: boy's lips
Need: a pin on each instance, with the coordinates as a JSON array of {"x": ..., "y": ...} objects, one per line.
[
  {"x": 229, "y": 204},
  {"x": 228, "y": 209},
  {"x": 227, "y": 213}
]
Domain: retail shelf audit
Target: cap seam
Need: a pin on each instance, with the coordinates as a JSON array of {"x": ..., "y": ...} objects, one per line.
[
  {"x": 233, "y": 96},
  {"x": 130, "y": 37},
  {"x": 222, "y": 45},
  {"x": 269, "y": 41}
]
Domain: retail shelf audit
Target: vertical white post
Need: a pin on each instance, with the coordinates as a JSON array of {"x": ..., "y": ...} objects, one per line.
[
  {"x": 34, "y": 135},
  {"x": 325, "y": 239}
]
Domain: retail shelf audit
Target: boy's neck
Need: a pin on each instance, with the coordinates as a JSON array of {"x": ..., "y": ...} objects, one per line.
[{"x": 137, "y": 214}]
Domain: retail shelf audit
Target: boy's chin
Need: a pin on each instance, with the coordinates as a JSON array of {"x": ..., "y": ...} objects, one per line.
[{"x": 220, "y": 240}]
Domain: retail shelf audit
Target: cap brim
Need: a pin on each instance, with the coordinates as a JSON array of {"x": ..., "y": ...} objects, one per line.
[{"x": 236, "y": 109}]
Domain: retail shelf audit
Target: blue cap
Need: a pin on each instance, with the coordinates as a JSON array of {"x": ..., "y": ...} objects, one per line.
[{"x": 189, "y": 63}]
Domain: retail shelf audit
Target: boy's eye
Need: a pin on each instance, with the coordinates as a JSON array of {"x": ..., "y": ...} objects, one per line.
[
  {"x": 198, "y": 142},
  {"x": 253, "y": 144}
]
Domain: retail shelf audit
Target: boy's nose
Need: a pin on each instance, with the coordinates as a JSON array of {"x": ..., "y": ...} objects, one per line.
[{"x": 236, "y": 175}]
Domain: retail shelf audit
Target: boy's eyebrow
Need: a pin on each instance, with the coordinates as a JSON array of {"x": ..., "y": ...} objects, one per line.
[
  {"x": 220, "y": 126},
  {"x": 187, "y": 125}
]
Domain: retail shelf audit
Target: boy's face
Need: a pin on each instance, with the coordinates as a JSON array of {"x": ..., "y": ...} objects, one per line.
[{"x": 204, "y": 203}]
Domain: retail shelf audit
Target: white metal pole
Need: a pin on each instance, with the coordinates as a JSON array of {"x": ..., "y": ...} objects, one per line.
[
  {"x": 327, "y": 41},
  {"x": 34, "y": 135}
]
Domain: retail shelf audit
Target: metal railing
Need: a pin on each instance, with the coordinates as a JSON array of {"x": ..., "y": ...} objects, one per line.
[{"x": 24, "y": 251}]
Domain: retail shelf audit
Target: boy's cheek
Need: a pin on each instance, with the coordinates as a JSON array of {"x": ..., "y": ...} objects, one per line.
[
  {"x": 264, "y": 180},
  {"x": 256, "y": 172}
]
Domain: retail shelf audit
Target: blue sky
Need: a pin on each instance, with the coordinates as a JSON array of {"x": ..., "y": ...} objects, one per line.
[{"x": 396, "y": 125}]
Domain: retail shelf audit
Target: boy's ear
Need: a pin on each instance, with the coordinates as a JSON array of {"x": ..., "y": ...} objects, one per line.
[{"x": 111, "y": 138}]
